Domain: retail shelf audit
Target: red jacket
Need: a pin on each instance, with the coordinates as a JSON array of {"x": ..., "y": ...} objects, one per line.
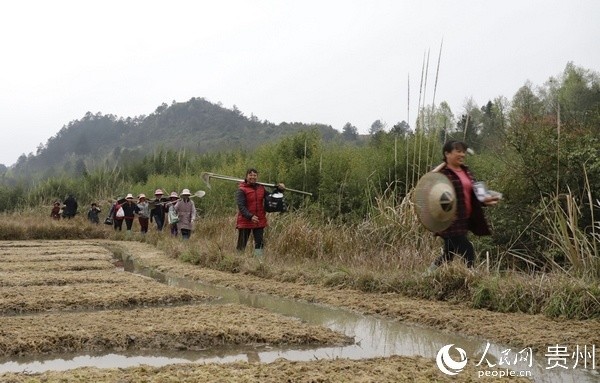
[{"x": 250, "y": 201}]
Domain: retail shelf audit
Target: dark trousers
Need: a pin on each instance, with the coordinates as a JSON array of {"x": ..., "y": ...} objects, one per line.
[
  {"x": 160, "y": 221},
  {"x": 118, "y": 224},
  {"x": 185, "y": 233},
  {"x": 460, "y": 245},
  {"x": 244, "y": 234},
  {"x": 143, "y": 224},
  {"x": 129, "y": 223}
]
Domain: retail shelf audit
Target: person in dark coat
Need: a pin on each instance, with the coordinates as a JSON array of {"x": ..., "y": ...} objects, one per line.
[
  {"x": 130, "y": 209},
  {"x": 70, "y": 207},
  {"x": 157, "y": 214},
  {"x": 93, "y": 214},
  {"x": 469, "y": 211}
]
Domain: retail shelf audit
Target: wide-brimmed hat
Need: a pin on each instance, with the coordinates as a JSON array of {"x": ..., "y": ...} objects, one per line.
[
  {"x": 173, "y": 195},
  {"x": 158, "y": 192},
  {"x": 435, "y": 201},
  {"x": 185, "y": 192},
  {"x": 129, "y": 196},
  {"x": 142, "y": 195}
]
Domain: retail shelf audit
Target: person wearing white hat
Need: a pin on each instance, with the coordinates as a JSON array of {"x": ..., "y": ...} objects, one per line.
[
  {"x": 130, "y": 209},
  {"x": 186, "y": 211},
  {"x": 144, "y": 213},
  {"x": 158, "y": 211},
  {"x": 172, "y": 217}
]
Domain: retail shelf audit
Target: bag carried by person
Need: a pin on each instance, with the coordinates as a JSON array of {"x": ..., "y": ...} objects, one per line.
[
  {"x": 120, "y": 212},
  {"x": 274, "y": 202},
  {"x": 108, "y": 221},
  {"x": 172, "y": 216}
]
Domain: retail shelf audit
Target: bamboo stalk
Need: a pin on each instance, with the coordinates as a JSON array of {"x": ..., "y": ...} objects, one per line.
[
  {"x": 558, "y": 148},
  {"x": 591, "y": 204},
  {"x": 416, "y": 165},
  {"x": 431, "y": 119},
  {"x": 466, "y": 126},
  {"x": 408, "y": 102}
]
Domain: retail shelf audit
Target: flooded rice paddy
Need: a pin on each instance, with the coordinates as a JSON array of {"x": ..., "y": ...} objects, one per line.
[{"x": 70, "y": 305}]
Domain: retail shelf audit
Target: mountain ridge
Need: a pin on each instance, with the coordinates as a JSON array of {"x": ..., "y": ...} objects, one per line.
[{"x": 196, "y": 125}]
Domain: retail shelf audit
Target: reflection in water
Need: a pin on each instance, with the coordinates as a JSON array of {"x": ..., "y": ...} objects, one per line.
[{"x": 374, "y": 337}]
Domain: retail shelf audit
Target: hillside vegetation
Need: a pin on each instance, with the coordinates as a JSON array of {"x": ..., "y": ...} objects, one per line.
[
  {"x": 105, "y": 141},
  {"x": 540, "y": 149}
]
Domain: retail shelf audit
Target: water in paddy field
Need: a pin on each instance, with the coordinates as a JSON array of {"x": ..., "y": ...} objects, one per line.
[{"x": 374, "y": 337}]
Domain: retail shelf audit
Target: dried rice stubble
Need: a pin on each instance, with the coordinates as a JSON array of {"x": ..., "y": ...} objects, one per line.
[
  {"x": 56, "y": 266},
  {"x": 190, "y": 327},
  {"x": 89, "y": 296},
  {"x": 59, "y": 256},
  {"x": 69, "y": 277},
  {"x": 382, "y": 370},
  {"x": 51, "y": 246}
]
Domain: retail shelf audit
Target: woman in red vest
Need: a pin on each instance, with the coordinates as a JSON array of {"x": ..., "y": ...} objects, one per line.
[
  {"x": 469, "y": 212},
  {"x": 252, "y": 217}
]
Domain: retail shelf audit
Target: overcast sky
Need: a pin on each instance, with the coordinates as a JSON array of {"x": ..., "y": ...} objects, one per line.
[{"x": 307, "y": 61}]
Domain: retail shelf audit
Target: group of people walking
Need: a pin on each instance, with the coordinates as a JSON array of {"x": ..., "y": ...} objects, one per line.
[
  {"x": 67, "y": 210},
  {"x": 178, "y": 212}
]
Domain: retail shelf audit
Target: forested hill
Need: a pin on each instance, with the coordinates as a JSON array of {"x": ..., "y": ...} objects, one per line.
[{"x": 196, "y": 125}]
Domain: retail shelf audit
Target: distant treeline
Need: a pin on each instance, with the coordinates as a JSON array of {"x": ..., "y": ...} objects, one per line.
[{"x": 101, "y": 141}]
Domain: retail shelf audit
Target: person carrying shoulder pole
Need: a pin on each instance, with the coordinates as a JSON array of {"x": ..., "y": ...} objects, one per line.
[{"x": 251, "y": 216}]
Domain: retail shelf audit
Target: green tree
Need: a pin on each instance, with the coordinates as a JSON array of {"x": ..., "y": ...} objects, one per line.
[
  {"x": 401, "y": 129},
  {"x": 349, "y": 132},
  {"x": 493, "y": 128},
  {"x": 579, "y": 97},
  {"x": 376, "y": 127}
]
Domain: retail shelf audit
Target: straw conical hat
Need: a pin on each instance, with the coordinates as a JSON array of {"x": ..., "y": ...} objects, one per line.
[{"x": 435, "y": 200}]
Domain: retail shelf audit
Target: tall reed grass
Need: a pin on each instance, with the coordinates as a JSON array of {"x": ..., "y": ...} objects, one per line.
[{"x": 573, "y": 250}]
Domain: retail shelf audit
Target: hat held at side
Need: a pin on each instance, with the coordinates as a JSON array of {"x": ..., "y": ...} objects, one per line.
[{"x": 435, "y": 201}]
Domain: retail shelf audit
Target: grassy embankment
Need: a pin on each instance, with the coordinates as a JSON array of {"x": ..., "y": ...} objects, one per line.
[{"x": 388, "y": 252}]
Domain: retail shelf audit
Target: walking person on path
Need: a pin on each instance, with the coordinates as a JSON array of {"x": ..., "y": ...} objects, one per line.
[
  {"x": 469, "y": 212},
  {"x": 186, "y": 212},
  {"x": 251, "y": 216}
]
